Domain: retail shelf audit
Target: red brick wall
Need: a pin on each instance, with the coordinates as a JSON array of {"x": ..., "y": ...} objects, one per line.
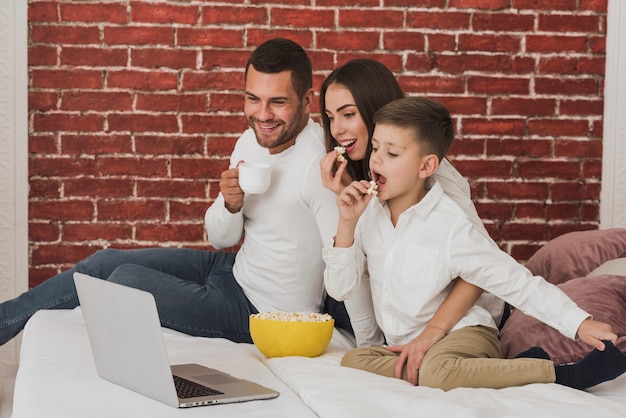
[{"x": 134, "y": 107}]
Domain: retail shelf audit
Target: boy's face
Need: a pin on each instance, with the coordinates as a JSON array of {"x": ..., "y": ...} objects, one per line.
[
  {"x": 395, "y": 163},
  {"x": 273, "y": 109}
]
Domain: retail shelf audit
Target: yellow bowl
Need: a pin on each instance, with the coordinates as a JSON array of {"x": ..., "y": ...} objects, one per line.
[{"x": 283, "y": 338}]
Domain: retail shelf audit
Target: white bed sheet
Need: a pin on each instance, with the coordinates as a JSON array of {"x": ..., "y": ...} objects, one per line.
[
  {"x": 57, "y": 376},
  {"x": 335, "y": 391}
]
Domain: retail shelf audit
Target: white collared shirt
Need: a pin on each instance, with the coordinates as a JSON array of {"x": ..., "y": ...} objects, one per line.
[{"x": 412, "y": 267}]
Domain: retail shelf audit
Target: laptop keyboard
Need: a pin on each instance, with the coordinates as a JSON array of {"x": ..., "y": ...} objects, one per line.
[{"x": 187, "y": 389}]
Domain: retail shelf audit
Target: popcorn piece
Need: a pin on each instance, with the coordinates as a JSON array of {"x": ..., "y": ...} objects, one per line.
[
  {"x": 293, "y": 316},
  {"x": 340, "y": 151},
  {"x": 373, "y": 189}
]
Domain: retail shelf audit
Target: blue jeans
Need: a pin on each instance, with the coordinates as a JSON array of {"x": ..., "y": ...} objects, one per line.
[{"x": 195, "y": 291}]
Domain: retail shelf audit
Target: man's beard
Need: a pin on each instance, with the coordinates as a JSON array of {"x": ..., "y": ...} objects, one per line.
[{"x": 289, "y": 132}]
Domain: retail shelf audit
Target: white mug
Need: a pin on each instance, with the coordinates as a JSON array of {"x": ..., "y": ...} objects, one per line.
[{"x": 254, "y": 178}]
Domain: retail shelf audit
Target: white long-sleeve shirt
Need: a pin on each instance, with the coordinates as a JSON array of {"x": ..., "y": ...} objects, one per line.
[
  {"x": 279, "y": 264},
  {"x": 411, "y": 268}
]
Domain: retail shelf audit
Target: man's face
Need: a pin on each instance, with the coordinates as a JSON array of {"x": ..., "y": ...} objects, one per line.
[{"x": 274, "y": 110}]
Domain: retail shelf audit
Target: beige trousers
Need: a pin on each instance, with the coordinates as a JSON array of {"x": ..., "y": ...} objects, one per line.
[{"x": 469, "y": 357}]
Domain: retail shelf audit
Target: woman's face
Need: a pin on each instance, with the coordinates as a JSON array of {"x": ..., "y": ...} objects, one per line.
[{"x": 346, "y": 124}]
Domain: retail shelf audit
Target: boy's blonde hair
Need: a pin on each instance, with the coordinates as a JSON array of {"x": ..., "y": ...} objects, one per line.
[{"x": 429, "y": 120}]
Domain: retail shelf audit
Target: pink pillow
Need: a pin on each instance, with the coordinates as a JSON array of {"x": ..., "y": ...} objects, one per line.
[
  {"x": 575, "y": 254},
  {"x": 604, "y": 297}
]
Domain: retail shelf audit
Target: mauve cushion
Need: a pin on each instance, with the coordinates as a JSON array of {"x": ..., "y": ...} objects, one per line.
[
  {"x": 604, "y": 297},
  {"x": 575, "y": 254}
]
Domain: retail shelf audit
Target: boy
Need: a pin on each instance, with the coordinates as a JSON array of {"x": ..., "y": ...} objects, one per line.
[{"x": 414, "y": 241}]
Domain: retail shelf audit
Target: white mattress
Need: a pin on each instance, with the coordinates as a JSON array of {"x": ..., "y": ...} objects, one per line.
[{"x": 57, "y": 378}]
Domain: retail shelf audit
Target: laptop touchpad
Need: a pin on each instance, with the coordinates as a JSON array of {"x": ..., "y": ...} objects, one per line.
[{"x": 216, "y": 379}]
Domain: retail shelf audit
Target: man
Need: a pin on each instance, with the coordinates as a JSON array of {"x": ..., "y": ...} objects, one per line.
[{"x": 279, "y": 265}]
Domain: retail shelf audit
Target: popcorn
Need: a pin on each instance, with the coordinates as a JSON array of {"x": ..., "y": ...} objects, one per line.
[
  {"x": 340, "y": 151},
  {"x": 293, "y": 316},
  {"x": 373, "y": 189}
]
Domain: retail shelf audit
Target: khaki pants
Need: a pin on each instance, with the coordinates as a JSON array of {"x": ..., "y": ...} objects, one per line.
[{"x": 469, "y": 357}]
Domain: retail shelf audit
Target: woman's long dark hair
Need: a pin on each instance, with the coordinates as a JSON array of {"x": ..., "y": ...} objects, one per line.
[{"x": 372, "y": 85}]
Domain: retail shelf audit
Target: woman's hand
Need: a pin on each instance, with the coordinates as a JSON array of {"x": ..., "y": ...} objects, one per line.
[{"x": 340, "y": 179}]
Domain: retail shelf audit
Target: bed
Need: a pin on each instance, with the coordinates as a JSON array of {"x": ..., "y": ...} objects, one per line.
[{"x": 57, "y": 378}]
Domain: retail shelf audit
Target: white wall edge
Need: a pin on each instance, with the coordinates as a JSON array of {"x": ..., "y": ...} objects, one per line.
[{"x": 613, "y": 193}]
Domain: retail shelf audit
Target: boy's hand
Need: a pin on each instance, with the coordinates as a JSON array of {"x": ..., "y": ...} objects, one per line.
[
  {"x": 413, "y": 353},
  {"x": 229, "y": 186},
  {"x": 353, "y": 200},
  {"x": 593, "y": 332},
  {"x": 340, "y": 179}
]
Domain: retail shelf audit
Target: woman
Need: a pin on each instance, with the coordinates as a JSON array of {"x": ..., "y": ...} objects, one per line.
[{"x": 349, "y": 97}]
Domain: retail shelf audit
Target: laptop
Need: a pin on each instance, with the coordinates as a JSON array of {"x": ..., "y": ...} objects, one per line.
[{"x": 128, "y": 348}]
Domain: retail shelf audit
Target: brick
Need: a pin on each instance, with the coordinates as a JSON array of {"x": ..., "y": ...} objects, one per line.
[
  {"x": 67, "y": 79},
  {"x": 568, "y": 23},
  {"x": 498, "y": 85},
  {"x": 234, "y": 15},
  {"x": 431, "y": 84},
  {"x": 170, "y": 188},
  {"x": 172, "y": 102},
  {"x": 568, "y": 191},
  {"x": 494, "y": 210},
  {"x": 72, "y": 35},
  {"x": 592, "y": 169},
  {"x": 443, "y": 20},
  {"x": 137, "y": 122},
  {"x": 555, "y": 44},
  {"x": 326, "y": 3},
  {"x": 61, "y": 253},
  {"x": 490, "y": 43},
  {"x": 213, "y": 80},
  {"x": 103, "y": 188},
  {"x": 188, "y": 211},
  {"x": 85, "y": 12},
  {"x": 525, "y": 231},
  {"x": 65, "y": 210},
  {"x": 67, "y": 122},
  {"x": 226, "y": 102},
  {"x": 43, "y": 232},
  {"x": 581, "y": 107},
  {"x": 163, "y": 58},
  {"x": 142, "y": 80},
  {"x": 505, "y": 63},
  {"x": 566, "y": 87},
  {"x": 548, "y": 169},
  {"x": 523, "y": 252},
  {"x": 557, "y": 127},
  {"x": 502, "y": 22},
  {"x": 421, "y": 63},
  {"x": 163, "y": 13},
  {"x": 482, "y": 168},
  {"x": 510, "y": 126},
  {"x": 95, "y": 144},
  {"x": 42, "y": 101},
  {"x": 164, "y": 145},
  {"x": 480, "y": 4},
  {"x": 44, "y": 188},
  {"x": 97, "y": 231},
  {"x": 94, "y": 57},
  {"x": 557, "y": 230},
  {"x": 43, "y": 12},
  {"x": 309, "y": 18},
  {"x": 441, "y": 42},
  {"x": 54, "y": 167},
  {"x": 519, "y": 147},
  {"x": 213, "y": 37},
  {"x": 401, "y": 40},
  {"x": 348, "y": 40},
  {"x": 578, "y": 149},
  {"x": 193, "y": 124},
  {"x": 42, "y": 144},
  {"x": 523, "y": 106},
  {"x": 131, "y": 166},
  {"x": 130, "y": 210},
  {"x": 205, "y": 168},
  {"x": 169, "y": 232},
  {"x": 221, "y": 146},
  {"x": 96, "y": 101},
  {"x": 535, "y": 190},
  {"x": 593, "y": 5},
  {"x": 552, "y": 5},
  {"x": 302, "y": 37},
  {"x": 463, "y": 105},
  {"x": 465, "y": 146},
  {"x": 138, "y": 35},
  {"x": 42, "y": 55},
  {"x": 351, "y": 18},
  {"x": 216, "y": 59}
]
